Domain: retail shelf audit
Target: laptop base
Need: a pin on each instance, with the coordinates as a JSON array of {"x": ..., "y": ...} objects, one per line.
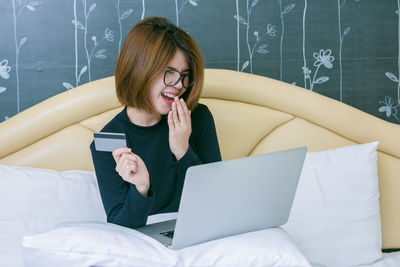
[{"x": 162, "y": 231}]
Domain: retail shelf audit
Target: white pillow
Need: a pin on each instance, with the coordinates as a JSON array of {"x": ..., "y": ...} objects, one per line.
[
  {"x": 104, "y": 244},
  {"x": 35, "y": 200},
  {"x": 335, "y": 217}
]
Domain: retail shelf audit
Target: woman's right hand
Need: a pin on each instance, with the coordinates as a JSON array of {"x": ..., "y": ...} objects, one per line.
[{"x": 132, "y": 169}]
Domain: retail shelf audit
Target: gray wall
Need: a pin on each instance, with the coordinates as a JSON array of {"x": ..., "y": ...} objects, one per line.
[{"x": 345, "y": 49}]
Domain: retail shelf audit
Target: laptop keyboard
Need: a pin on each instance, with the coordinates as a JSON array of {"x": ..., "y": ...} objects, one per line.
[{"x": 169, "y": 234}]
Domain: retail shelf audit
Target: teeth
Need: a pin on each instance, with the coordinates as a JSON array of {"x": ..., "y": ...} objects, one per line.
[{"x": 168, "y": 95}]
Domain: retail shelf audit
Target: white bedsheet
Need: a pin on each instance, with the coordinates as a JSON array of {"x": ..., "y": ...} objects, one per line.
[
  {"x": 389, "y": 260},
  {"x": 10, "y": 250},
  {"x": 33, "y": 198}
]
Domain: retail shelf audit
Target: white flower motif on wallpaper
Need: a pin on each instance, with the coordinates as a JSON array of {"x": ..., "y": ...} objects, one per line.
[
  {"x": 97, "y": 23},
  {"x": 390, "y": 106},
  {"x": 283, "y": 12},
  {"x": 124, "y": 15},
  {"x": 143, "y": 10},
  {"x": 258, "y": 46},
  {"x": 179, "y": 9},
  {"x": 306, "y": 70},
  {"x": 4, "y": 70},
  {"x": 341, "y": 39},
  {"x": 109, "y": 36},
  {"x": 99, "y": 53},
  {"x": 17, "y": 11},
  {"x": 344, "y": 2},
  {"x": 262, "y": 49},
  {"x": 4, "y": 73},
  {"x": 323, "y": 58}
]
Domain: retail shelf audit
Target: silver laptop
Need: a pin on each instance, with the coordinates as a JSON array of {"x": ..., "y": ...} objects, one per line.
[{"x": 232, "y": 197}]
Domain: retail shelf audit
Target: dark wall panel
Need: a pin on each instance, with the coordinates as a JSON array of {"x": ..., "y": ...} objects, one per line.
[{"x": 345, "y": 49}]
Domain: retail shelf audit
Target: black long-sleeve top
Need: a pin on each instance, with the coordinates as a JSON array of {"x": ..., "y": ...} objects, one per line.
[{"x": 123, "y": 204}]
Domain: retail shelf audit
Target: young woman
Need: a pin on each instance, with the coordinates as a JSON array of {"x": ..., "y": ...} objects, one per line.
[{"x": 159, "y": 77}]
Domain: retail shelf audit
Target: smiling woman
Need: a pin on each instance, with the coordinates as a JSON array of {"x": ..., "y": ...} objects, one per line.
[
  {"x": 172, "y": 77},
  {"x": 159, "y": 77},
  {"x": 146, "y": 53},
  {"x": 171, "y": 84}
]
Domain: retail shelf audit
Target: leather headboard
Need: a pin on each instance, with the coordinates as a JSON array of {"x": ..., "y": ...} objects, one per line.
[{"x": 253, "y": 114}]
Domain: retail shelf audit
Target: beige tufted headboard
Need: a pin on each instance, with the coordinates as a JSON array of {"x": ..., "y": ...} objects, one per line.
[{"x": 253, "y": 115}]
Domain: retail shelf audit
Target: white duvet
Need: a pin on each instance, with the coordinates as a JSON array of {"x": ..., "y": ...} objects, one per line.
[{"x": 62, "y": 218}]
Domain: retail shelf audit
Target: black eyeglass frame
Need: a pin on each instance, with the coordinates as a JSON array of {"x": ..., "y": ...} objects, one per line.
[{"x": 181, "y": 77}]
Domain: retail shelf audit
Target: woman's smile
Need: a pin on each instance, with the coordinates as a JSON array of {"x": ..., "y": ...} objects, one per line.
[{"x": 162, "y": 95}]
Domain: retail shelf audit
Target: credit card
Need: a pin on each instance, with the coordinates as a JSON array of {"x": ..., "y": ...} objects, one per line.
[{"x": 108, "y": 142}]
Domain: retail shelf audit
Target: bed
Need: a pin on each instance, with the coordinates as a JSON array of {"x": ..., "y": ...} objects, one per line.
[{"x": 345, "y": 213}]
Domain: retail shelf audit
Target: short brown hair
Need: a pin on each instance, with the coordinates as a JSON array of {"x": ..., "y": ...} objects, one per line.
[{"x": 147, "y": 50}]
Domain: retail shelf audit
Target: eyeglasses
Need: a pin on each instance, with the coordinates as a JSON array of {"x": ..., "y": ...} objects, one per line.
[{"x": 172, "y": 77}]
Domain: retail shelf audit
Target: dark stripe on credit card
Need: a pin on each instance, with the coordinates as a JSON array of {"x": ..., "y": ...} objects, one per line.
[{"x": 109, "y": 135}]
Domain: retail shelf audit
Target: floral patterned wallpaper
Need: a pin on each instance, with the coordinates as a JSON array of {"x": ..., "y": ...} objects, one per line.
[{"x": 345, "y": 49}]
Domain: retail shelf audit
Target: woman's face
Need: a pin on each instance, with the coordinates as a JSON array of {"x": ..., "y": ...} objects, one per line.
[{"x": 161, "y": 95}]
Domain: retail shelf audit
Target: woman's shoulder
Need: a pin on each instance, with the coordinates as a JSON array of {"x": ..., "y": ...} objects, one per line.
[
  {"x": 201, "y": 110},
  {"x": 116, "y": 123},
  {"x": 201, "y": 114}
]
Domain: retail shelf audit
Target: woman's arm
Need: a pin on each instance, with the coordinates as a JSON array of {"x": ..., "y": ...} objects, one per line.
[
  {"x": 203, "y": 145},
  {"x": 123, "y": 204}
]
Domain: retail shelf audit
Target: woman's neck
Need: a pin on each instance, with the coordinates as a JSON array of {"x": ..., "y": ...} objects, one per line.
[{"x": 141, "y": 117}]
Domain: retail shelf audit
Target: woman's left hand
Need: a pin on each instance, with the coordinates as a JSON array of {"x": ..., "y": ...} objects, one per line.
[{"x": 180, "y": 128}]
